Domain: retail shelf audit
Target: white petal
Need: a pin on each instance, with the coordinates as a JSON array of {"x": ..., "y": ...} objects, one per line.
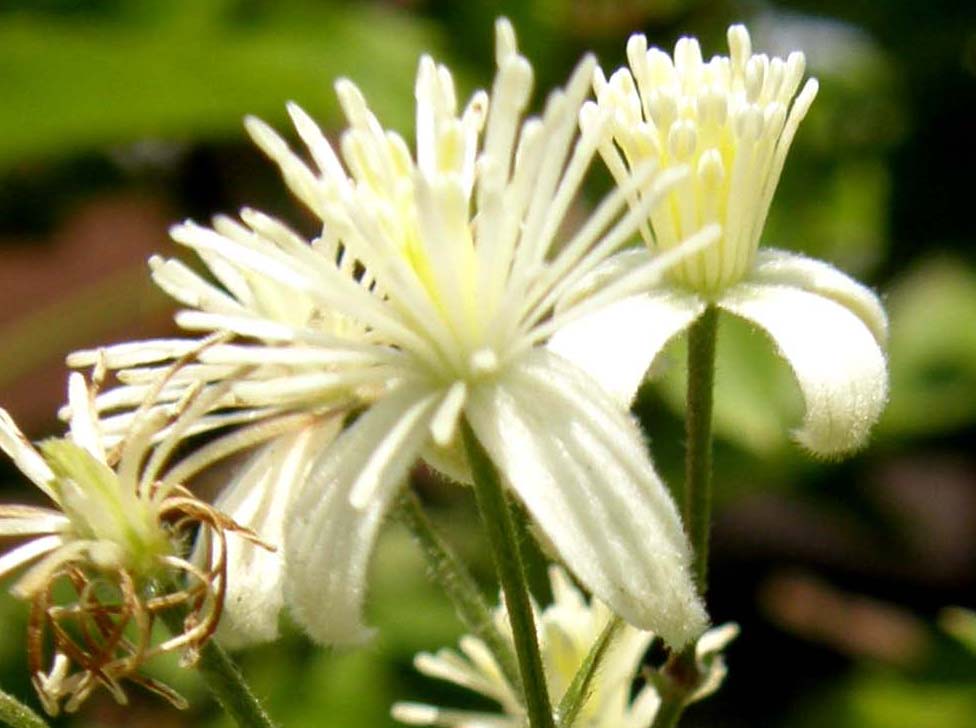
[
  {"x": 258, "y": 498},
  {"x": 578, "y": 463},
  {"x": 25, "y": 457},
  {"x": 133, "y": 353},
  {"x": 27, "y": 552},
  {"x": 837, "y": 361},
  {"x": 715, "y": 640},
  {"x": 328, "y": 541},
  {"x": 448, "y": 665},
  {"x": 711, "y": 662},
  {"x": 422, "y": 714},
  {"x": 84, "y": 418},
  {"x": 616, "y": 345},
  {"x": 18, "y": 520},
  {"x": 808, "y": 274},
  {"x": 55, "y": 552}
]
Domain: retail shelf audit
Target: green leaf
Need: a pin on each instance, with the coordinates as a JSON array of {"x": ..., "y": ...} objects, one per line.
[{"x": 579, "y": 690}]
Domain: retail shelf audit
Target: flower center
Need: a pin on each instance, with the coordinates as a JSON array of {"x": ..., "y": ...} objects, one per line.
[
  {"x": 102, "y": 509},
  {"x": 730, "y": 121}
]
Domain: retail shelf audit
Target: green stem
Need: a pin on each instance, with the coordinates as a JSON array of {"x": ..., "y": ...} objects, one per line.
[
  {"x": 697, "y": 501},
  {"x": 451, "y": 575},
  {"x": 675, "y": 684},
  {"x": 225, "y": 680},
  {"x": 17, "y": 715},
  {"x": 679, "y": 678},
  {"x": 496, "y": 515},
  {"x": 668, "y": 713}
]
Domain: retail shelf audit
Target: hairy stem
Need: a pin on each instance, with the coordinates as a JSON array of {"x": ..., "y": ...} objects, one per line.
[
  {"x": 697, "y": 501},
  {"x": 679, "y": 678},
  {"x": 496, "y": 515},
  {"x": 451, "y": 575},
  {"x": 225, "y": 680},
  {"x": 17, "y": 715}
]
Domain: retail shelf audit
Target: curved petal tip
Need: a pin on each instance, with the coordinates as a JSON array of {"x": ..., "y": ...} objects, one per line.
[{"x": 839, "y": 365}]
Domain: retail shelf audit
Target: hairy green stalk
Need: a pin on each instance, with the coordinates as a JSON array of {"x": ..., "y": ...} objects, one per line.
[
  {"x": 451, "y": 575},
  {"x": 496, "y": 515},
  {"x": 697, "y": 500},
  {"x": 679, "y": 677},
  {"x": 224, "y": 680},
  {"x": 17, "y": 715}
]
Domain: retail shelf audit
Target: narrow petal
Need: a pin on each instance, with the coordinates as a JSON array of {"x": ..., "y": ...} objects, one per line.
[
  {"x": 328, "y": 541},
  {"x": 422, "y": 714},
  {"x": 790, "y": 269},
  {"x": 258, "y": 498},
  {"x": 837, "y": 361},
  {"x": 18, "y": 520},
  {"x": 616, "y": 345},
  {"x": 578, "y": 463},
  {"x": 84, "y": 418},
  {"x": 25, "y": 457},
  {"x": 27, "y": 552}
]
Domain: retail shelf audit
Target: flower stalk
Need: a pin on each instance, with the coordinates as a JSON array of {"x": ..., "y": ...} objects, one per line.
[
  {"x": 225, "y": 681},
  {"x": 697, "y": 497},
  {"x": 676, "y": 684},
  {"x": 680, "y": 677},
  {"x": 17, "y": 715},
  {"x": 497, "y": 518},
  {"x": 456, "y": 582}
]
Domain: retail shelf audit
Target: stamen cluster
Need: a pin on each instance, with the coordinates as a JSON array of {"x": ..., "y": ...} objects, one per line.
[{"x": 730, "y": 120}]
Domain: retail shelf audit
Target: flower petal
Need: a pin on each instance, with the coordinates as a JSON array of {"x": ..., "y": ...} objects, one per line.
[
  {"x": 27, "y": 552},
  {"x": 422, "y": 714},
  {"x": 258, "y": 498},
  {"x": 328, "y": 541},
  {"x": 25, "y": 457},
  {"x": 616, "y": 345},
  {"x": 18, "y": 520},
  {"x": 808, "y": 274},
  {"x": 837, "y": 361},
  {"x": 579, "y": 464}
]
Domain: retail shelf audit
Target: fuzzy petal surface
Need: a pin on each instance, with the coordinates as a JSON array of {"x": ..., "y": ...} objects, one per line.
[
  {"x": 328, "y": 540},
  {"x": 808, "y": 274},
  {"x": 579, "y": 464},
  {"x": 258, "y": 498},
  {"x": 617, "y": 344},
  {"x": 834, "y": 354}
]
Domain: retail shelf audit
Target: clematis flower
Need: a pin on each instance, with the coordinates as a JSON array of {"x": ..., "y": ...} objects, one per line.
[
  {"x": 446, "y": 268},
  {"x": 731, "y": 121},
  {"x": 567, "y": 629},
  {"x": 114, "y": 542},
  {"x": 288, "y": 398}
]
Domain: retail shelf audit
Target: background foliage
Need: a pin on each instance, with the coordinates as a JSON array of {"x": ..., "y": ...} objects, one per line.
[{"x": 119, "y": 117}]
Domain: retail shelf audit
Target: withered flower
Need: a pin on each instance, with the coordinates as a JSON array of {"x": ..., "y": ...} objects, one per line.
[{"x": 112, "y": 558}]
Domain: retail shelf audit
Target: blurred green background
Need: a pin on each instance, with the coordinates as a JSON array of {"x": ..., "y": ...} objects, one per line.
[{"x": 119, "y": 117}]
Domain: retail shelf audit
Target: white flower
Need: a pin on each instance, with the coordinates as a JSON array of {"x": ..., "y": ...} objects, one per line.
[
  {"x": 568, "y": 629},
  {"x": 731, "y": 120},
  {"x": 100, "y": 517},
  {"x": 116, "y": 535},
  {"x": 446, "y": 270},
  {"x": 290, "y": 397}
]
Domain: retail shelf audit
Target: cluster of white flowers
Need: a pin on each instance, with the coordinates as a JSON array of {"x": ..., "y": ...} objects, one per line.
[{"x": 444, "y": 291}]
